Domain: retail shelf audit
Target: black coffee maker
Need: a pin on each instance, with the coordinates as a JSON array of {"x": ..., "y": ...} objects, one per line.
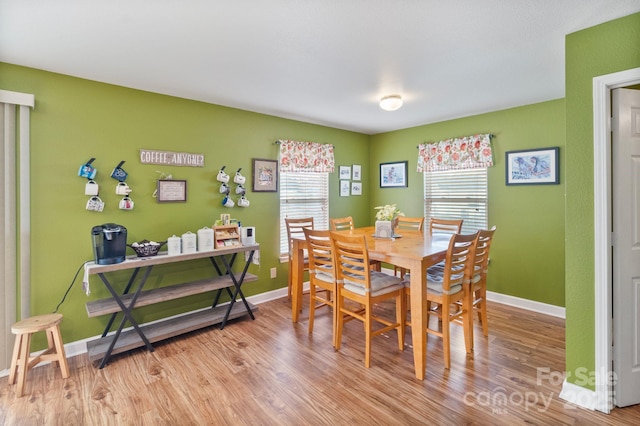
[{"x": 109, "y": 243}]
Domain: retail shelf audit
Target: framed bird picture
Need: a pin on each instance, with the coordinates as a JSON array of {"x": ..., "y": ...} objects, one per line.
[{"x": 532, "y": 167}]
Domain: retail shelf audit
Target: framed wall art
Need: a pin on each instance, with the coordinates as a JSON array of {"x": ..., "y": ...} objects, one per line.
[
  {"x": 345, "y": 172},
  {"x": 265, "y": 175},
  {"x": 532, "y": 167},
  {"x": 171, "y": 191},
  {"x": 393, "y": 174},
  {"x": 357, "y": 172},
  {"x": 356, "y": 188},
  {"x": 345, "y": 186}
]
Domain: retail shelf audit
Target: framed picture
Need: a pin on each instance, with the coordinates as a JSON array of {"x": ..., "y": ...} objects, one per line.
[
  {"x": 532, "y": 167},
  {"x": 171, "y": 191},
  {"x": 357, "y": 172},
  {"x": 356, "y": 188},
  {"x": 265, "y": 175},
  {"x": 345, "y": 172},
  {"x": 344, "y": 188},
  {"x": 393, "y": 174}
]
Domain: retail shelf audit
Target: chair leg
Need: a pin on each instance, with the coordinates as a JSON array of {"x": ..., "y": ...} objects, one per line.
[
  {"x": 56, "y": 337},
  {"x": 401, "y": 318},
  {"x": 337, "y": 337},
  {"x": 367, "y": 332},
  {"x": 446, "y": 347},
  {"x": 289, "y": 281},
  {"x": 482, "y": 311},
  {"x": 312, "y": 306},
  {"x": 23, "y": 362}
]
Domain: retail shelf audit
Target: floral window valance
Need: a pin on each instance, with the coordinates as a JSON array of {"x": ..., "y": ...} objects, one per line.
[
  {"x": 470, "y": 152},
  {"x": 306, "y": 157}
]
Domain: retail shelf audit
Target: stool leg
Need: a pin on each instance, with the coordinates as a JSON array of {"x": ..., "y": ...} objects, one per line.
[
  {"x": 23, "y": 362},
  {"x": 14, "y": 359},
  {"x": 59, "y": 348},
  {"x": 51, "y": 344}
]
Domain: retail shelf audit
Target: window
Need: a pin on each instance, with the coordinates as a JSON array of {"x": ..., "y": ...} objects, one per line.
[
  {"x": 303, "y": 194},
  {"x": 457, "y": 194}
]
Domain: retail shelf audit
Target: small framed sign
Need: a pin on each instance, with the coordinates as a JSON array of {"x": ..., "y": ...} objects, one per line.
[
  {"x": 172, "y": 191},
  {"x": 532, "y": 167}
]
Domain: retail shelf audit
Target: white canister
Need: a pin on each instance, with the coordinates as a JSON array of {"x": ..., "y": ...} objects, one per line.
[
  {"x": 173, "y": 245},
  {"x": 189, "y": 242},
  {"x": 205, "y": 239}
]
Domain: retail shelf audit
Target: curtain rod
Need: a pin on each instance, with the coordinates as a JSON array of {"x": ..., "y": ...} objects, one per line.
[{"x": 491, "y": 135}]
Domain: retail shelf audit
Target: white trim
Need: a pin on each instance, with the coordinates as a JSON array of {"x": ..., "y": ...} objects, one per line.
[
  {"x": 578, "y": 395},
  {"x": 602, "y": 87},
  {"x": 529, "y": 305},
  {"x": 17, "y": 98}
]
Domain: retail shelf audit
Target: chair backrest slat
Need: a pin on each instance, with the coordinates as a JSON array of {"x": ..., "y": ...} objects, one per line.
[
  {"x": 351, "y": 258},
  {"x": 295, "y": 228},
  {"x": 458, "y": 267},
  {"x": 446, "y": 226},
  {"x": 415, "y": 223},
  {"x": 341, "y": 223}
]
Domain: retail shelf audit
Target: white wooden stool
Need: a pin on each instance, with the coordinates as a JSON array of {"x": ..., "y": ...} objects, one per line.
[{"x": 22, "y": 361}]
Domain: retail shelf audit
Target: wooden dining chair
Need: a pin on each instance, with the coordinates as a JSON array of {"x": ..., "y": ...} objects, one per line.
[
  {"x": 321, "y": 275},
  {"x": 445, "y": 226},
  {"x": 345, "y": 224},
  {"x": 448, "y": 284},
  {"x": 357, "y": 283},
  {"x": 408, "y": 224},
  {"x": 295, "y": 229},
  {"x": 478, "y": 290}
]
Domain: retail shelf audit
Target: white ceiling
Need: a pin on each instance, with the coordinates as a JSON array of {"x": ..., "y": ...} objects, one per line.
[{"x": 318, "y": 61}]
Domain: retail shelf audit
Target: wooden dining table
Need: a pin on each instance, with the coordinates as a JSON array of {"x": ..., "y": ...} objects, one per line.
[{"x": 414, "y": 251}]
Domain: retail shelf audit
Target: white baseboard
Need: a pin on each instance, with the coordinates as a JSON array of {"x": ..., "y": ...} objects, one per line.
[
  {"x": 530, "y": 305},
  {"x": 579, "y": 396}
]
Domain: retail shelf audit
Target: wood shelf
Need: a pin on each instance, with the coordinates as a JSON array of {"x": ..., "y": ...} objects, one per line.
[
  {"x": 157, "y": 295},
  {"x": 164, "y": 329}
]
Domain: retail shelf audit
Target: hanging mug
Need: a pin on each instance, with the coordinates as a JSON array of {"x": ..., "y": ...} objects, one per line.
[
  {"x": 224, "y": 188},
  {"x": 222, "y": 176},
  {"x": 95, "y": 204},
  {"x": 243, "y": 202},
  {"x": 91, "y": 188},
  {"x": 123, "y": 189},
  {"x": 238, "y": 178},
  {"x": 228, "y": 202},
  {"x": 126, "y": 203},
  {"x": 118, "y": 173},
  {"x": 87, "y": 170},
  {"x": 240, "y": 190}
]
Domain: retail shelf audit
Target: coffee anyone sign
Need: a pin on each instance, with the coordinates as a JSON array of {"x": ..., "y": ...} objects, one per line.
[{"x": 169, "y": 158}]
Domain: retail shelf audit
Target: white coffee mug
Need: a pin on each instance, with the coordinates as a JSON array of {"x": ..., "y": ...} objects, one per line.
[
  {"x": 243, "y": 202},
  {"x": 228, "y": 202},
  {"x": 126, "y": 203},
  {"x": 222, "y": 176},
  {"x": 224, "y": 188},
  {"x": 91, "y": 188},
  {"x": 95, "y": 204},
  {"x": 123, "y": 189},
  {"x": 239, "y": 179},
  {"x": 240, "y": 190}
]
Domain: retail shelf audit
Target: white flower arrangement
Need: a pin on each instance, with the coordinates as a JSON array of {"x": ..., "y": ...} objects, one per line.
[{"x": 388, "y": 212}]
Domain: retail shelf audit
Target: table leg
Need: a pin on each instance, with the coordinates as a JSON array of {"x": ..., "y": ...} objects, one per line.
[
  {"x": 297, "y": 263},
  {"x": 238, "y": 291},
  {"x": 419, "y": 317},
  {"x": 126, "y": 311},
  {"x": 126, "y": 291}
]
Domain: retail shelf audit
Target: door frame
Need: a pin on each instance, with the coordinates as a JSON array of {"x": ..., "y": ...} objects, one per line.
[{"x": 602, "y": 178}]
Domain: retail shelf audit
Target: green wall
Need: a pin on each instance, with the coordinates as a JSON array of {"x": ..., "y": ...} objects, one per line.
[
  {"x": 76, "y": 119},
  {"x": 604, "y": 49},
  {"x": 527, "y": 254}
]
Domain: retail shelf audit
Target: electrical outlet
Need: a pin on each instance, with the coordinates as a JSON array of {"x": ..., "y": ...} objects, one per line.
[{"x": 274, "y": 272}]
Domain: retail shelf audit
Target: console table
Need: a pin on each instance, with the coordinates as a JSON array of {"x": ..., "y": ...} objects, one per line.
[{"x": 130, "y": 298}]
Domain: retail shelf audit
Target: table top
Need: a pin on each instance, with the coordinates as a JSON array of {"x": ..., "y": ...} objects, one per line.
[{"x": 162, "y": 257}]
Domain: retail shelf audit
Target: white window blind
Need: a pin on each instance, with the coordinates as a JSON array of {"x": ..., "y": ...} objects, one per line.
[
  {"x": 303, "y": 194},
  {"x": 457, "y": 194}
]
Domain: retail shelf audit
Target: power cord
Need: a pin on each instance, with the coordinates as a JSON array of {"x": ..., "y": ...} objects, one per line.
[{"x": 70, "y": 285}]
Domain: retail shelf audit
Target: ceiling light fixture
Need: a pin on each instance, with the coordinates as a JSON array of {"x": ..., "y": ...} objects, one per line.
[{"x": 391, "y": 102}]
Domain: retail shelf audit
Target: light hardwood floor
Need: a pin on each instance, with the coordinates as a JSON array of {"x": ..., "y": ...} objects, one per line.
[{"x": 270, "y": 372}]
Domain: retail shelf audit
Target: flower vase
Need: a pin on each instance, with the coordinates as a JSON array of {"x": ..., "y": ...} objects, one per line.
[{"x": 386, "y": 228}]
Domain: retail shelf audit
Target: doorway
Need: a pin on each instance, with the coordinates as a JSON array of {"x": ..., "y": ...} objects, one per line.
[{"x": 602, "y": 88}]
